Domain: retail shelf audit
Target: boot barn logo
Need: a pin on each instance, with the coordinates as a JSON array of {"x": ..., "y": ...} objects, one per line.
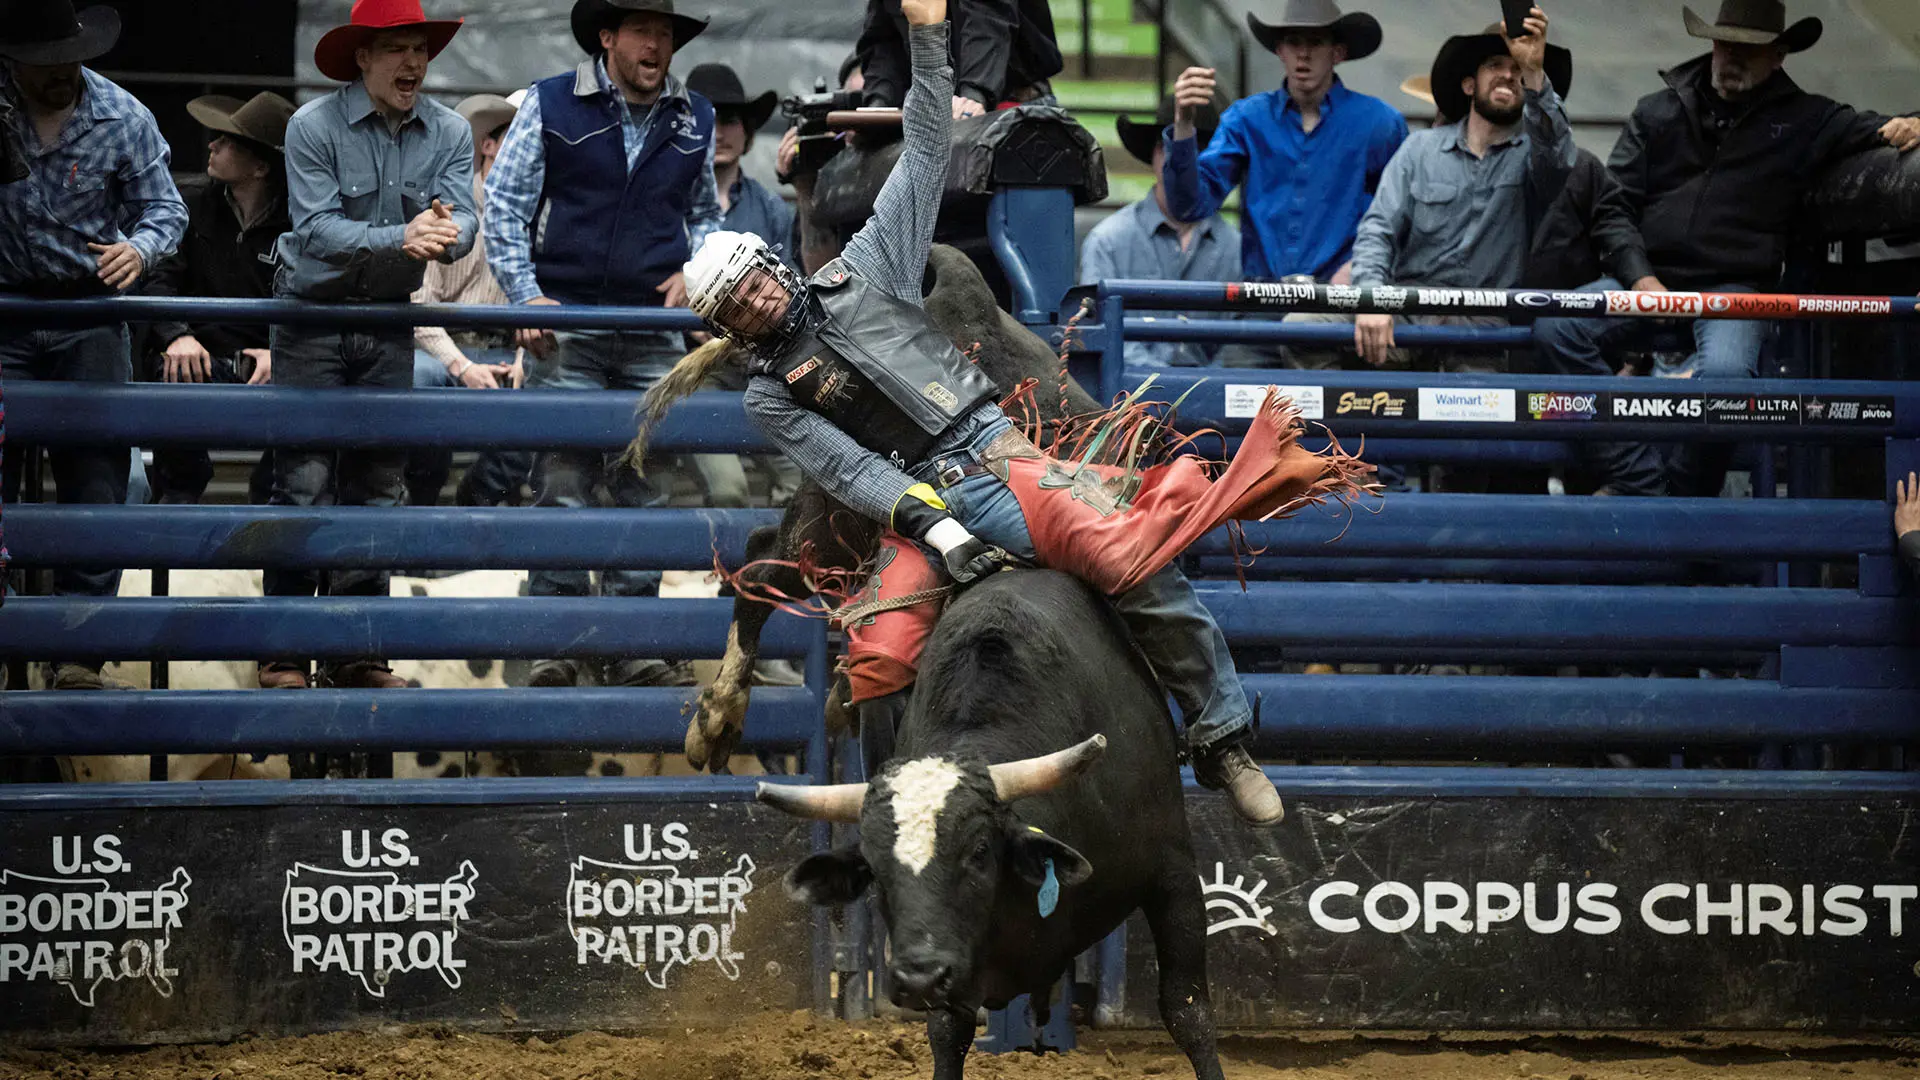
[{"x": 1674, "y": 907}]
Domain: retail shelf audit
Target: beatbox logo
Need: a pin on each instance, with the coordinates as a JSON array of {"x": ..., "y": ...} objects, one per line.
[{"x": 1557, "y": 406}]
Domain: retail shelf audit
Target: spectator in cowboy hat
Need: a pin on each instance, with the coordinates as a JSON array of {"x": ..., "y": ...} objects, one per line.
[
  {"x": 379, "y": 183},
  {"x": 1715, "y": 167},
  {"x": 233, "y": 222},
  {"x": 1309, "y": 154},
  {"x": 614, "y": 160},
  {"x": 474, "y": 359},
  {"x": 1145, "y": 240},
  {"x": 98, "y": 211},
  {"x": 748, "y": 205}
]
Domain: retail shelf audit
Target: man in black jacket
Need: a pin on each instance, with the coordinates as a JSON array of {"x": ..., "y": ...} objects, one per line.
[
  {"x": 1003, "y": 51},
  {"x": 1715, "y": 167},
  {"x": 233, "y": 221}
]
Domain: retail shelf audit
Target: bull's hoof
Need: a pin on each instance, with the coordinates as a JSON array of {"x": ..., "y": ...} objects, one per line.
[{"x": 719, "y": 719}]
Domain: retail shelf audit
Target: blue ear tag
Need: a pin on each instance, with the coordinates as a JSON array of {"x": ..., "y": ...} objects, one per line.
[{"x": 1049, "y": 892}]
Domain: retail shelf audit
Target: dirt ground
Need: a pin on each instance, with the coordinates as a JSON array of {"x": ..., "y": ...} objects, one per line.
[{"x": 800, "y": 1048}]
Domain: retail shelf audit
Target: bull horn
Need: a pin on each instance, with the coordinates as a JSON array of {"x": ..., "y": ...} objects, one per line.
[
  {"x": 1037, "y": 776},
  {"x": 819, "y": 802}
]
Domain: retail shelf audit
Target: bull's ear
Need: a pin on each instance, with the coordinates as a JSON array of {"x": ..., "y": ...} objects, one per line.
[
  {"x": 1031, "y": 848},
  {"x": 831, "y": 878}
]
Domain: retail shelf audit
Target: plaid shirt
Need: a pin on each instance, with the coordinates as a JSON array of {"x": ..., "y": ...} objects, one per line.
[
  {"x": 103, "y": 180},
  {"x": 520, "y": 174}
]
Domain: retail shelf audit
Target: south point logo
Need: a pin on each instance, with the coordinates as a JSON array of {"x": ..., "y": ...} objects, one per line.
[
  {"x": 369, "y": 923},
  {"x": 88, "y": 922},
  {"x": 643, "y": 912}
]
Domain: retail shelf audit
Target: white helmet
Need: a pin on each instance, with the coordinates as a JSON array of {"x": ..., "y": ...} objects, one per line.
[{"x": 722, "y": 276}]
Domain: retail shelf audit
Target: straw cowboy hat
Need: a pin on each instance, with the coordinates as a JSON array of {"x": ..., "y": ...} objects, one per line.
[
  {"x": 261, "y": 121},
  {"x": 1359, "y": 32},
  {"x": 718, "y": 84},
  {"x": 334, "y": 55},
  {"x": 592, "y": 16},
  {"x": 485, "y": 112},
  {"x": 1462, "y": 56},
  {"x": 1755, "y": 22},
  {"x": 1140, "y": 137},
  {"x": 47, "y": 33}
]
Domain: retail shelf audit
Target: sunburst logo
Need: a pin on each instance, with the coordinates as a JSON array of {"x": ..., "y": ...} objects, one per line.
[{"x": 1234, "y": 905}]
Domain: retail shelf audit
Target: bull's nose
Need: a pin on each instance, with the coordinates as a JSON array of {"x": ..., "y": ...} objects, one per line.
[{"x": 919, "y": 982}]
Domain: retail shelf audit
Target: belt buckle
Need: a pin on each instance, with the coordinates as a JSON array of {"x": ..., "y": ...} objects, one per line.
[{"x": 952, "y": 475}]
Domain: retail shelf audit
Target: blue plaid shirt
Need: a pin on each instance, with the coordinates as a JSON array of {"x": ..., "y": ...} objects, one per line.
[
  {"x": 520, "y": 173},
  {"x": 103, "y": 181}
]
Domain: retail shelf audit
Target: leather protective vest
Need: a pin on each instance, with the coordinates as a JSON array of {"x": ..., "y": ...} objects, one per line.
[{"x": 877, "y": 368}]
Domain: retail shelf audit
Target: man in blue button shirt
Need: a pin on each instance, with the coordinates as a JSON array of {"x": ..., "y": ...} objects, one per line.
[
  {"x": 1144, "y": 240},
  {"x": 379, "y": 182},
  {"x": 1308, "y": 154}
]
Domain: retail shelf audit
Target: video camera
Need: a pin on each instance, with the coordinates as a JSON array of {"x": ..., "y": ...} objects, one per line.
[{"x": 808, "y": 113}]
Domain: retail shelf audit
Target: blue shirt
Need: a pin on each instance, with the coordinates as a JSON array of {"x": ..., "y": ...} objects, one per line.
[
  {"x": 1304, "y": 191},
  {"x": 520, "y": 174},
  {"x": 1138, "y": 241},
  {"x": 353, "y": 184},
  {"x": 1444, "y": 217},
  {"x": 104, "y": 180},
  {"x": 754, "y": 209}
]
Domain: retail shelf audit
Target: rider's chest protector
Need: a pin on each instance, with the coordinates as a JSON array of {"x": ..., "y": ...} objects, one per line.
[{"x": 877, "y": 368}]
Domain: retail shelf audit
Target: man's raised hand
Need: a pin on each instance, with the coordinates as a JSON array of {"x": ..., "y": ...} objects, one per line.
[
  {"x": 1192, "y": 91},
  {"x": 924, "y": 12}
]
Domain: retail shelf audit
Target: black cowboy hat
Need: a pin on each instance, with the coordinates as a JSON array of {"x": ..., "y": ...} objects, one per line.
[
  {"x": 1755, "y": 22},
  {"x": 1140, "y": 137},
  {"x": 718, "y": 84},
  {"x": 592, "y": 16},
  {"x": 1462, "y": 56},
  {"x": 1359, "y": 32},
  {"x": 261, "y": 121},
  {"x": 47, "y": 33}
]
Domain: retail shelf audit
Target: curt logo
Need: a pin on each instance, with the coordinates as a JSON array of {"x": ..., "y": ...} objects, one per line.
[{"x": 1668, "y": 304}]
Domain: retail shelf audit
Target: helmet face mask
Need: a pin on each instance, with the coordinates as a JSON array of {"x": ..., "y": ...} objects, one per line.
[{"x": 739, "y": 287}]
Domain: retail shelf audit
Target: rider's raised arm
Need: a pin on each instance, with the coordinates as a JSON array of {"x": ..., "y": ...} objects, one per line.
[{"x": 891, "y": 249}]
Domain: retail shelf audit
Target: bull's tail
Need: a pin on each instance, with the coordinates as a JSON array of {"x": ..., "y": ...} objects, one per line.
[{"x": 687, "y": 375}]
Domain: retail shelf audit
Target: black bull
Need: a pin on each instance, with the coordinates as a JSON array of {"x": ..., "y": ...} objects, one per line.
[
  {"x": 960, "y": 832},
  {"x": 960, "y": 304}
]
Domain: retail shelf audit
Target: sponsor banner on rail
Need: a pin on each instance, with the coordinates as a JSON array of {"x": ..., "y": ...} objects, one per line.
[
  {"x": 196, "y": 924},
  {"x": 1516, "y": 912},
  {"x": 1534, "y": 303}
]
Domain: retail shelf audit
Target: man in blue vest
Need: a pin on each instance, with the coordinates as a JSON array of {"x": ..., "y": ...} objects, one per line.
[{"x": 602, "y": 191}]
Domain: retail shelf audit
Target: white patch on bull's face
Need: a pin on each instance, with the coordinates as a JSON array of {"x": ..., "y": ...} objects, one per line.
[{"x": 920, "y": 789}]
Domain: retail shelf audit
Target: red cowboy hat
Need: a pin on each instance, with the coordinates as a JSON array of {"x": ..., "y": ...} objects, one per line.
[{"x": 334, "y": 55}]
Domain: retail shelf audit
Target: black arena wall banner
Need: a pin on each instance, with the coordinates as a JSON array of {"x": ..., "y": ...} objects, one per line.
[
  {"x": 1519, "y": 912},
  {"x": 129, "y": 926}
]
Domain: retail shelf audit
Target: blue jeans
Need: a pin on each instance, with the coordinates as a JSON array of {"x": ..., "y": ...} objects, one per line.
[
  {"x": 1723, "y": 349},
  {"x": 95, "y": 475},
  {"x": 496, "y": 473},
  {"x": 1164, "y": 615}
]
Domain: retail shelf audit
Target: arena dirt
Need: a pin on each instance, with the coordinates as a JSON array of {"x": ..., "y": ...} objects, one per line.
[{"x": 799, "y": 1048}]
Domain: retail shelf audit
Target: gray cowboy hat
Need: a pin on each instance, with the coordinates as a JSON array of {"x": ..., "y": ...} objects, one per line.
[
  {"x": 1462, "y": 55},
  {"x": 1359, "y": 32},
  {"x": 262, "y": 120},
  {"x": 592, "y": 16},
  {"x": 1755, "y": 22},
  {"x": 484, "y": 113},
  {"x": 1140, "y": 137},
  {"x": 719, "y": 84},
  {"x": 48, "y": 33}
]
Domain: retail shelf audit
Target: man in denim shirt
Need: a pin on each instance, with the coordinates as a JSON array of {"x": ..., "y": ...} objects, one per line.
[
  {"x": 379, "y": 182},
  {"x": 96, "y": 211}
]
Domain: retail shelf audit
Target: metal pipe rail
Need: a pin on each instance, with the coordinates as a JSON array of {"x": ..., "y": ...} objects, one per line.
[
  {"x": 1412, "y": 526},
  {"x": 1258, "y": 331},
  {"x": 1264, "y": 615},
  {"x": 24, "y": 311},
  {"x": 641, "y": 720},
  {"x": 92, "y": 414},
  {"x": 410, "y": 628}
]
